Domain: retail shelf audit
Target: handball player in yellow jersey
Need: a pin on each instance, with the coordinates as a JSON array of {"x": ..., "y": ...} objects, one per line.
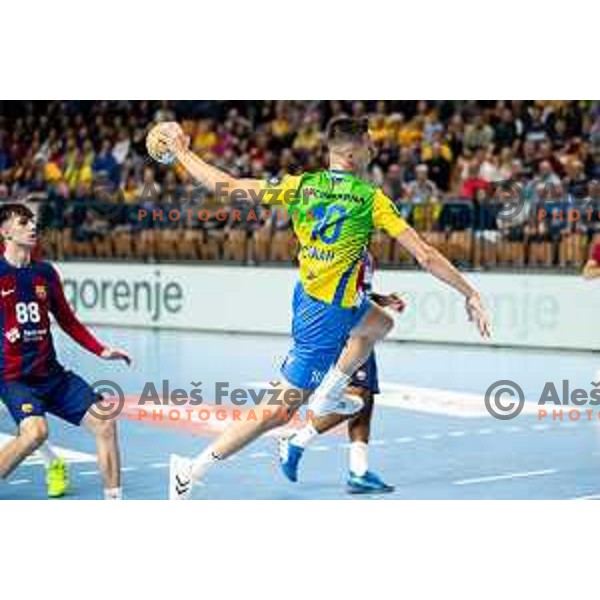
[{"x": 335, "y": 328}]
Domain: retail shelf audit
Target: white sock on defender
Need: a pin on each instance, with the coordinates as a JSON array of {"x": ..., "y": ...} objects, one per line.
[
  {"x": 304, "y": 436},
  {"x": 203, "y": 462},
  {"x": 359, "y": 459},
  {"x": 47, "y": 453},
  {"x": 113, "y": 494}
]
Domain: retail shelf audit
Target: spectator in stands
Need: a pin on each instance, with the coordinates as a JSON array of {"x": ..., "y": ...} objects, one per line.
[
  {"x": 546, "y": 154},
  {"x": 48, "y": 148},
  {"x": 121, "y": 148},
  {"x": 546, "y": 179},
  {"x": 438, "y": 162},
  {"x": 505, "y": 130},
  {"x": 423, "y": 196},
  {"x": 489, "y": 170},
  {"x": 77, "y": 172},
  {"x": 478, "y": 134},
  {"x": 106, "y": 163},
  {"x": 422, "y": 189},
  {"x": 205, "y": 138},
  {"x": 576, "y": 181},
  {"x": 473, "y": 181},
  {"x": 393, "y": 184}
]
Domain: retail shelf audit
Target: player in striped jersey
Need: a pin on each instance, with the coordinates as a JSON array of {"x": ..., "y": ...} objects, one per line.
[{"x": 32, "y": 381}]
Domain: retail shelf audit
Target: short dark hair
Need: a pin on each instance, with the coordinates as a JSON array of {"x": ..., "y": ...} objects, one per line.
[
  {"x": 12, "y": 209},
  {"x": 346, "y": 130}
]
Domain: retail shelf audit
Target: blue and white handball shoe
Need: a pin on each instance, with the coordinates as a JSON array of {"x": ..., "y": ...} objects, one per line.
[
  {"x": 369, "y": 483},
  {"x": 289, "y": 457}
]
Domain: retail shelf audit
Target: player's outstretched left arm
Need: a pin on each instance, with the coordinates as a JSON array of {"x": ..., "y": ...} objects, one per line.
[
  {"x": 439, "y": 266},
  {"x": 393, "y": 301},
  {"x": 73, "y": 327}
]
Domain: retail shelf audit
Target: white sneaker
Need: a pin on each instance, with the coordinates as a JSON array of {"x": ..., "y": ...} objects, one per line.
[
  {"x": 346, "y": 404},
  {"x": 180, "y": 478}
]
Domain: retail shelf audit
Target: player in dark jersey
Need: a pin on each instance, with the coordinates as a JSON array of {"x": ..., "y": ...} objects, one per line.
[
  {"x": 32, "y": 381},
  {"x": 364, "y": 383}
]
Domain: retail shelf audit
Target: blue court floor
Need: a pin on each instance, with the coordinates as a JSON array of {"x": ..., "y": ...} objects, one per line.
[{"x": 445, "y": 453}]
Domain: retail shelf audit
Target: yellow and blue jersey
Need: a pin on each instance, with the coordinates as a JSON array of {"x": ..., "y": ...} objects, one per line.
[{"x": 334, "y": 214}]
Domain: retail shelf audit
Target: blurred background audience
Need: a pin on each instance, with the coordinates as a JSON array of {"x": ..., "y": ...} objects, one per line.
[{"x": 491, "y": 183}]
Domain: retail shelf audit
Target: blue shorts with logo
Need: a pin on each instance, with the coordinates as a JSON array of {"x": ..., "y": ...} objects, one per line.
[
  {"x": 319, "y": 332},
  {"x": 366, "y": 376},
  {"x": 63, "y": 394}
]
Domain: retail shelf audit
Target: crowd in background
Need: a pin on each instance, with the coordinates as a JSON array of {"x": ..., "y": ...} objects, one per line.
[{"x": 432, "y": 156}]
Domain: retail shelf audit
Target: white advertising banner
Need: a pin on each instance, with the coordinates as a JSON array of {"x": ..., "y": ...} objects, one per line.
[{"x": 536, "y": 310}]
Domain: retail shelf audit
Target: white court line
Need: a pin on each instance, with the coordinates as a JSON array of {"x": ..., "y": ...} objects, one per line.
[
  {"x": 128, "y": 469},
  {"x": 404, "y": 440},
  {"x": 540, "y": 426},
  {"x": 71, "y": 456},
  {"x": 456, "y": 433},
  {"x": 260, "y": 455},
  {"x": 19, "y": 481},
  {"x": 84, "y": 473},
  {"x": 319, "y": 448},
  {"x": 427, "y": 400},
  {"x": 159, "y": 465},
  {"x": 589, "y": 497},
  {"x": 503, "y": 477},
  {"x": 430, "y": 436},
  {"x": 485, "y": 431},
  {"x": 377, "y": 442}
]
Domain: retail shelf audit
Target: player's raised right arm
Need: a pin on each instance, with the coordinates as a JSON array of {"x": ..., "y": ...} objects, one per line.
[{"x": 221, "y": 183}]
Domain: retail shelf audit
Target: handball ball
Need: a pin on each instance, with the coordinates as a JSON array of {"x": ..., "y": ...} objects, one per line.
[{"x": 155, "y": 144}]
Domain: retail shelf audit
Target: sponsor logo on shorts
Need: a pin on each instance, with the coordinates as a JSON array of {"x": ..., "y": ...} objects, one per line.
[
  {"x": 361, "y": 375},
  {"x": 316, "y": 377},
  {"x": 27, "y": 408}
]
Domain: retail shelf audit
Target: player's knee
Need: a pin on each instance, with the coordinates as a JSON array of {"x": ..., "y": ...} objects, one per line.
[
  {"x": 105, "y": 429},
  {"x": 35, "y": 432}
]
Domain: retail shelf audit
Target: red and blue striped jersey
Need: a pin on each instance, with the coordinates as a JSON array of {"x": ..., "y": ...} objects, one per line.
[{"x": 27, "y": 297}]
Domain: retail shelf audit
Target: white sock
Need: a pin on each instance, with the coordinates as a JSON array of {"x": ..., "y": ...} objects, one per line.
[
  {"x": 304, "y": 436},
  {"x": 47, "y": 454},
  {"x": 334, "y": 383},
  {"x": 202, "y": 463},
  {"x": 113, "y": 493},
  {"x": 359, "y": 460}
]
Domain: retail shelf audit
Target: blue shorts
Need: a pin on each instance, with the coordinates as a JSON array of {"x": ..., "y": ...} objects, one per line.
[
  {"x": 319, "y": 332},
  {"x": 366, "y": 377},
  {"x": 63, "y": 394}
]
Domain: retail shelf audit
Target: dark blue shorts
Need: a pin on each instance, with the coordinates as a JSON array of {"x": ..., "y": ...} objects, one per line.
[
  {"x": 63, "y": 394},
  {"x": 319, "y": 332},
  {"x": 366, "y": 377}
]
